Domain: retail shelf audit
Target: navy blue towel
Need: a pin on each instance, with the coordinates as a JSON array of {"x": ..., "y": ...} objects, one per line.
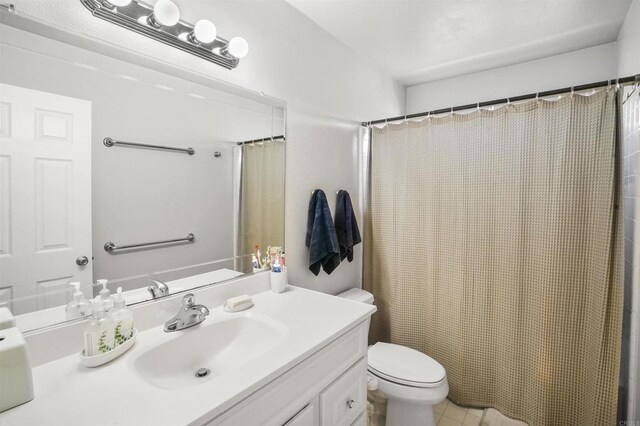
[
  {"x": 321, "y": 235},
  {"x": 346, "y": 226}
]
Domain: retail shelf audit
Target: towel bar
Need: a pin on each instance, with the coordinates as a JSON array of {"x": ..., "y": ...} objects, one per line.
[
  {"x": 108, "y": 142},
  {"x": 111, "y": 247}
]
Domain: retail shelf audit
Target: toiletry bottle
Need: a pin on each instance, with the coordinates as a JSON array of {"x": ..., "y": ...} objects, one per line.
[
  {"x": 79, "y": 306},
  {"x": 258, "y": 257},
  {"x": 122, "y": 318},
  {"x": 98, "y": 333},
  {"x": 105, "y": 295}
]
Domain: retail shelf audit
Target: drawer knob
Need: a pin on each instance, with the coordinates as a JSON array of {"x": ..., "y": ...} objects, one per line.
[{"x": 351, "y": 403}]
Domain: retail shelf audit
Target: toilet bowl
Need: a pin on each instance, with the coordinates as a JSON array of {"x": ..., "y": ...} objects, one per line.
[{"x": 411, "y": 381}]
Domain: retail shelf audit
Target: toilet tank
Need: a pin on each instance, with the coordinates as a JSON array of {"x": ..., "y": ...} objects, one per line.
[{"x": 358, "y": 295}]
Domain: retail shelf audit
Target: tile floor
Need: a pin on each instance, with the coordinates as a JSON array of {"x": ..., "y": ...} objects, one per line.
[{"x": 449, "y": 414}]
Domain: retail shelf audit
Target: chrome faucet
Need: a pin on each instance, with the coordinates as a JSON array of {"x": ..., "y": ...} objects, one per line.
[
  {"x": 189, "y": 315},
  {"x": 158, "y": 289}
]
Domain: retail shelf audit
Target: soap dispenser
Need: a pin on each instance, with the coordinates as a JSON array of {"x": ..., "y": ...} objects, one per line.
[
  {"x": 122, "y": 317},
  {"x": 105, "y": 295},
  {"x": 99, "y": 332},
  {"x": 79, "y": 306}
]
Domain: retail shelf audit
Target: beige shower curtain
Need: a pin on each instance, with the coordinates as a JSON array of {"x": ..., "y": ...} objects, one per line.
[
  {"x": 493, "y": 244},
  {"x": 261, "y": 211}
]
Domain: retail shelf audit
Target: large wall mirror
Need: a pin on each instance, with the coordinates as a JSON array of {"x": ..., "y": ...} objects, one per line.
[{"x": 88, "y": 190}]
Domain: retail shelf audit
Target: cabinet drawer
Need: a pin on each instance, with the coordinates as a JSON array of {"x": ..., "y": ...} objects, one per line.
[
  {"x": 360, "y": 421},
  {"x": 345, "y": 399},
  {"x": 305, "y": 417}
]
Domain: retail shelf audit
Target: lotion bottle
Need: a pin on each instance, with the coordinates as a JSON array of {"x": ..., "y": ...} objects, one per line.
[
  {"x": 78, "y": 307},
  {"x": 98, "y": 333},
  {"x": 105, "y": 295},
  {"x": 122, "y": 317}
]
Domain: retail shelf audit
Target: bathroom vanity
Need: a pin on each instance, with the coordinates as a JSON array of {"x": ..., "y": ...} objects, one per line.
[{"x": 296, "y": 358}]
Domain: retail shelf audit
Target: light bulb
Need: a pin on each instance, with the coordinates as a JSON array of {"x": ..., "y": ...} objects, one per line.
[
  {"x": 238, "y": 47},
  {"x": 165, "y": 12},
  {"x": 120, "y": 3},
  {"x": 204, "y": 31}
]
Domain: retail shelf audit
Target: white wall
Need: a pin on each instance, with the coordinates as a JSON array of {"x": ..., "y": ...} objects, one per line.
[
  {"x": 631, "y": 328},
  {"x": 328, "y": 87},
  {"x": 579, "y": 67},
  {"x": 628, "y": 43},
  {"x": 628, "y": 60}
]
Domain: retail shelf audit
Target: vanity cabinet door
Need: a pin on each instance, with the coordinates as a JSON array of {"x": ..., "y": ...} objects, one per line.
[{"x": 345, "y": 399}]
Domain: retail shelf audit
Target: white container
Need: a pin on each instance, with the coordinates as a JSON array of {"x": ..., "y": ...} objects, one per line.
[
  {"x": 103, "y": 358},
  {"x": 16, "y": 383},
  {"x": 279, "y": 280}
]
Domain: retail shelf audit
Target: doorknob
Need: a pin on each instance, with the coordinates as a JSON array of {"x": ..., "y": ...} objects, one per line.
[{"x": 82, "y": 260}]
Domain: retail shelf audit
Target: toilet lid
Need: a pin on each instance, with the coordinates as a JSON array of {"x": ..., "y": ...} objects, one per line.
[{"x": 403, "y": 365}]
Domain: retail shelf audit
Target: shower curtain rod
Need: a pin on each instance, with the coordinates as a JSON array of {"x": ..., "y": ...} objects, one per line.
[
  {"x": 621, "y": 81},
  {"x": 274, "y": 138}
]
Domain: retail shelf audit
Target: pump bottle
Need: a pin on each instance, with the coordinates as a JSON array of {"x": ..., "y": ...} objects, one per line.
[
  {"x": 78, "y": 307},
  {"x": 122, "y": 318}
]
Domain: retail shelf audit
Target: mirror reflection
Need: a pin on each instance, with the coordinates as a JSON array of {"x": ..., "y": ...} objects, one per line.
[{"x": 113, "y": 171}]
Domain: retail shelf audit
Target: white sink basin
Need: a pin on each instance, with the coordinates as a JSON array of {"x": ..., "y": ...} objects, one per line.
[{"x": 218, "y": 346}]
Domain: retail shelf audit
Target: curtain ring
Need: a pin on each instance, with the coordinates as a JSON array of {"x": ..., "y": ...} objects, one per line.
[
  {"x": 478, "y": 106},
  {"x": 405, "y": 118},
  {"x": 572, "y": 89},
  {"x": 617, "y": 84}
]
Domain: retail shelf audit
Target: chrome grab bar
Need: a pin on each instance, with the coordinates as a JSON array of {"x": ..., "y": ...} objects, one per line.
[
  {"x": 108, "y": 142},
  {"x": 111, "y": 247}
]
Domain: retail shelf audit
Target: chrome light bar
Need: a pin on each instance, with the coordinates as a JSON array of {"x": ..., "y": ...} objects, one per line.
[{"x": 138, "y": 16}]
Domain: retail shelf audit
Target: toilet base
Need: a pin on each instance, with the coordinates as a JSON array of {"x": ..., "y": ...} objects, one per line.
[{"x": 407, "y": 413}]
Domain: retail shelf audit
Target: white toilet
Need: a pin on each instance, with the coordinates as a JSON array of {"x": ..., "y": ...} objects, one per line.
[{"x": 412, "y": 381}]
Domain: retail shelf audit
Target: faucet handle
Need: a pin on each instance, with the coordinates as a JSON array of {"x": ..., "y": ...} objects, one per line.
[
  {"x": 189, "y": 300},
  {"x": 157, "y": 288}
]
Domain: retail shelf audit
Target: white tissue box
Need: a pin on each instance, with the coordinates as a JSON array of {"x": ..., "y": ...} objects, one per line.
[
  {"x": 6, "y": 318},
  {"x": 16, "y": 386}
]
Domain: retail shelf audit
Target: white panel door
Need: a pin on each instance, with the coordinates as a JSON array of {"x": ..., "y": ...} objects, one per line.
[{"x": 45, "y": 197}]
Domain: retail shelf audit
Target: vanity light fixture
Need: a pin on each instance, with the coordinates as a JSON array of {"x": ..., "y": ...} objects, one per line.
[
  {"x": 203, "y": 32},
  {"x": 165, "y": 13},
  {"x": 237, "y": 47},
  {"x": 110, "y": 4},
  {"x": 162, "y": 22}
]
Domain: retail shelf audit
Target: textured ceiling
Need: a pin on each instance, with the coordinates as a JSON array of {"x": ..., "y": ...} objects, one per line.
[{"x": 427, "y": 40}]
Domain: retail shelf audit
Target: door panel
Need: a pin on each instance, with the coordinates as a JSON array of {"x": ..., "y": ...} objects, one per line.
[{"x": 45, "y": 195}]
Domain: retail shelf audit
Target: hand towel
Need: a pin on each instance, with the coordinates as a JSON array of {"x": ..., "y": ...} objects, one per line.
[
  {"x": 321, "y": 235},
  {"x": 346, "y": 226}
]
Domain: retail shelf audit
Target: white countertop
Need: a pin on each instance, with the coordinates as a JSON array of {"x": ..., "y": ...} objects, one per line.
[{"x": 67, "y": 393}]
